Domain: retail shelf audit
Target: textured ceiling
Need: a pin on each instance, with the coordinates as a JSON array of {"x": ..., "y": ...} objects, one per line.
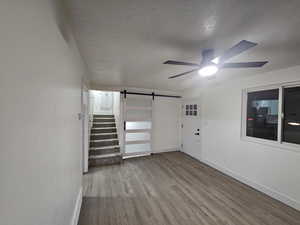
[{"x": 125, "y": 42}]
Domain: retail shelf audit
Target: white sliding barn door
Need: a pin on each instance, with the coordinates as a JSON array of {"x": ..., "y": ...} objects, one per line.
[{"x": 137, "y": 125}]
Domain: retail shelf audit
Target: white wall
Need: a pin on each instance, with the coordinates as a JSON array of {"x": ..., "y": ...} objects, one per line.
[
  {"x": 102, "y": 102},
  {"x": 91, "y": 103},
  {"x": 166, "y": 118},
  {"x": 40, "y": 134},
  {"x": 272, "y": 170}
]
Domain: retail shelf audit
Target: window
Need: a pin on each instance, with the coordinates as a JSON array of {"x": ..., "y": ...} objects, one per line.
[
  {"x": 191, "y": 110},
  {"x": 291, "y": 112},
  {"x": 262, "y": 114},
  {"x": 273, "y": 114}
]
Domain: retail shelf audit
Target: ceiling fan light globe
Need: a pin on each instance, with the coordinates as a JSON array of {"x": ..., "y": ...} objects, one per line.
[{"x": 207, "y": 71}]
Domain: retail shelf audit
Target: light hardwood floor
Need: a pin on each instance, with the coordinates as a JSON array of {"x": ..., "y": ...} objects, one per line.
[{"x": 173, "y": 188}]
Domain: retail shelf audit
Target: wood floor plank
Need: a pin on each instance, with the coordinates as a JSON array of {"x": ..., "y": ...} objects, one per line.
[{"x": 175, "y": 189}]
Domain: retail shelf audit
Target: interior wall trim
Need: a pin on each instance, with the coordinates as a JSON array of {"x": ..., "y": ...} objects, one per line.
[
  {"x": 157, "y": 151},
  {"x": 77, "y": 208}
]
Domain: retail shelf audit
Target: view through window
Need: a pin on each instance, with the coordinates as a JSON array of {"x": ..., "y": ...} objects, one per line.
[
  {"x": 291, "y": 124},
  {"x": 262, "y": 114}
]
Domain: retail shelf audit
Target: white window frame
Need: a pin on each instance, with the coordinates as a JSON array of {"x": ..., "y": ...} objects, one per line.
[{"x": 273, "y": 143}]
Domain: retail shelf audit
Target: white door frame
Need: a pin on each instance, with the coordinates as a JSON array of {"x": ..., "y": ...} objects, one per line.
[{"x": 85, "y": 128}]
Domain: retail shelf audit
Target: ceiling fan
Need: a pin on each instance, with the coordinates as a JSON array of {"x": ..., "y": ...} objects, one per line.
[{"x": 211, "y": 64}]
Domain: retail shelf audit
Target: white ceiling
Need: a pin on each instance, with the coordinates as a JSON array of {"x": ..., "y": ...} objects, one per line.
[{"x": 125, "y": 42}]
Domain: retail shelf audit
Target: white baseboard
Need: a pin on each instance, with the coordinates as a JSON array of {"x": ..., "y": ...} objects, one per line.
[
  {"x": 75, "y": 217},
  {"x": 266, "y": 190},
  {"x": 166, "y": 150},
  {"x": 262, "y": 188}
]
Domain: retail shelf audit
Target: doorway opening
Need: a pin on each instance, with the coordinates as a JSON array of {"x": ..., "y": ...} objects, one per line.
[{"x": 104, "y": 128}]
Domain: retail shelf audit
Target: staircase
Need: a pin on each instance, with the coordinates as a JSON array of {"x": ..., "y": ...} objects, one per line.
[{"x": 104, "y": 143}]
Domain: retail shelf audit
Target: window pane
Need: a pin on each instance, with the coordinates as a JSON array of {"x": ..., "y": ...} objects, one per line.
[
  {"x": 138, "y": 125},
  {"x": 291, "y": 123},
  {"x": 262, "y": 114},
  {"x": 133, "y": 148},
  {"x": 139, "y": 101},
  {"x": 137, "y": 136},
  {"x": 134, "y": 114}
]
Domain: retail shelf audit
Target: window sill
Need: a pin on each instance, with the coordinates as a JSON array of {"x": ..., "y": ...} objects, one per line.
[{"x": 274, "y": 144}]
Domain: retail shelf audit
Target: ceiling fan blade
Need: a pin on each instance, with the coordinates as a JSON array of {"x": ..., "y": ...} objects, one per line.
[
  {"x": 244, "y": 64},
  {"x": 181, "y": 74},
  {"x": 172, "y": 62},
  {"x": 207, "y": 55},
  {"x": 237, "y": 49}
]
